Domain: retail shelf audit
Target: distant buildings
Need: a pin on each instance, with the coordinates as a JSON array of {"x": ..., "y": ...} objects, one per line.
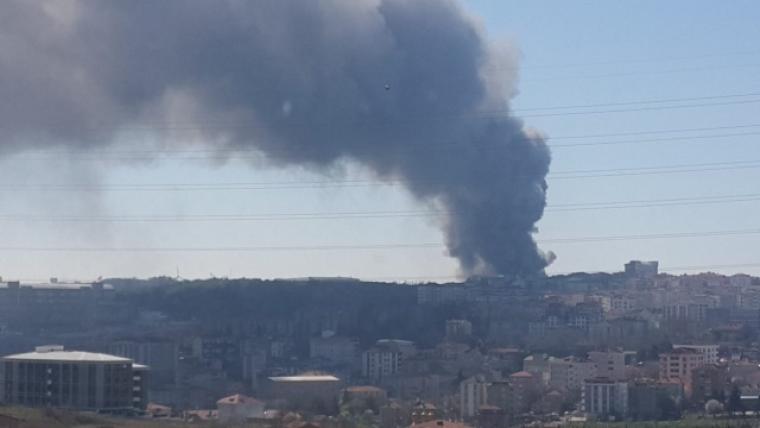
[
  {"x": 458, "y": 330},
  {"x": 59, "y": 304},
  {"x": 53, "y": 377}
]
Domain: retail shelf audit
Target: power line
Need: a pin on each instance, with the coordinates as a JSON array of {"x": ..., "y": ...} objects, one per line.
[
  {"x": 342, "y": 215},
  {"x": 654, "y": 140},
  {"x": 340, "y": 247},
  {"x": 637, "y": 102},
  {"x": 639, "y": 73},
  {"x": 642, "y": 60},
  {"x": 637, "y": 237},
  {"x": 285, "y": 185},
  {"x": 427, "y": 278},
  {"x": 639, "y": 109},
  {"x": 210, "y": 124},
  {"x": 657, "y": 131},
  {"x": 148, "y": 155}
]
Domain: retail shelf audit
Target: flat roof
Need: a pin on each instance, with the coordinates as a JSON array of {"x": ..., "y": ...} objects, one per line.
[
  {"x": 57, "y": 286},
  {"x": 305, "y": 378},
  {"x": 68, "y": 356}
]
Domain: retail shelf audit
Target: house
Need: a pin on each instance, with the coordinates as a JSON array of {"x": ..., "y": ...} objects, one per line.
[{"x": 238, "y": 408}]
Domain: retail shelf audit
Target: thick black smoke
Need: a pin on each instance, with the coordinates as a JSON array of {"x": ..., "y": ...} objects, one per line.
[{"x": 410, "y": 89}]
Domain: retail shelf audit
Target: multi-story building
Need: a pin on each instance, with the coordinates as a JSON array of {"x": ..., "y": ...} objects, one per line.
[
  {"x": 710, "y": 352},
  {"x": 679, "y": 365},
  {"x": 569, "y": 373},
  {"x": 641, "y": 270},
  {"x": 384, "y": 359},
  {"x": 620, "y": 304},
  {"x": 312, "y": 392},
  {"x": 609, "y": 364},
  {"x": 53, "y": 377},
  {"x": 605, "y": 398},
  {"x": 524, "y": 388},
  {"x": 334, "y": 348}
]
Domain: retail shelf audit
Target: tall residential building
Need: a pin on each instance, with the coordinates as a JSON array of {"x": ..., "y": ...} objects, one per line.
[
  {"x": 605, "y": 398},
  {"x": 679, "y": 365},
  {"x": 473, "y": 393},
  {"x": 384, "y": 359},
  {"x": 53, "y": 377}
]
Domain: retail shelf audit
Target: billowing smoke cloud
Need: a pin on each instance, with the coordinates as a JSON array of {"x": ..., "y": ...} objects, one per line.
[{"x": 410, "y": 89}]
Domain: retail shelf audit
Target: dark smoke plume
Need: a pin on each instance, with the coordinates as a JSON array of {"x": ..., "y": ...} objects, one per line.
[{"x": 410, "y": 89}]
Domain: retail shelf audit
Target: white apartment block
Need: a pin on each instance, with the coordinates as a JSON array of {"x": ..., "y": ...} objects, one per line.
[
  {"x": 378, "y": 363},
  {"x": 473, "y": 393},
  {"x": 710, "y": 352},
  {"x": 604, "y": 398}
]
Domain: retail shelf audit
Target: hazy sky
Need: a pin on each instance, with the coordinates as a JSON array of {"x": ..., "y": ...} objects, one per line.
[{"x": 596, "y": 54}]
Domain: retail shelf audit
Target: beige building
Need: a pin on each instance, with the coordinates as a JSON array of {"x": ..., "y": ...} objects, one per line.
[
  {"x": 609, "y": 364},
  {"x": 569, "y": 373},
  {"x": 679, "y": 363}
]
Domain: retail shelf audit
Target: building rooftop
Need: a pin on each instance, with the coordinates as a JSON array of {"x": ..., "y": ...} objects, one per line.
[
  {"x": 441, "y": 423},
  {"x": 523, "y": 374},
  {"x": 364, "y": 388},
  {"x": 57, "y": 353},
  {"x": 238, "y": 399},
  {"x": 55, "y": 285},
  {"x": 305, "y": 378}
]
